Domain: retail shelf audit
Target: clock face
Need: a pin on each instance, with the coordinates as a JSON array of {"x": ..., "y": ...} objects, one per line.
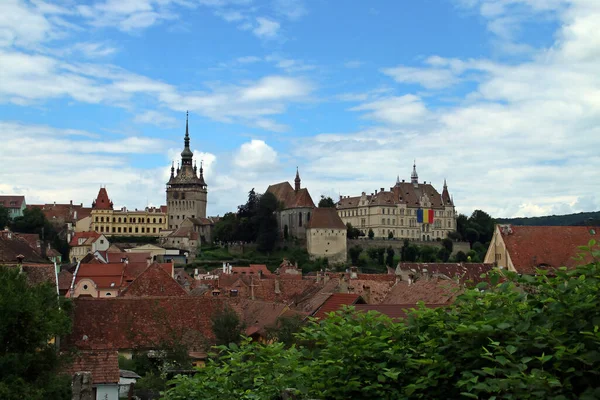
[{"x": 176, "y": 195}]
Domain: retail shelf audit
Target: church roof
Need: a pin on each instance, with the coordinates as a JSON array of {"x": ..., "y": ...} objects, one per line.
[
  {"x": 102, "y": 201},
  {"x": 402, "y": 193},
  {"x": 291, "y": 198}
]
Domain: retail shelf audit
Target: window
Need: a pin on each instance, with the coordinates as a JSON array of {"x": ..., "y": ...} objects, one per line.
[
  {"x": 96, "y": 220},
  {"x": 114, "y": 219},
  {"x": 299, "y": 219},
  {"x": 108, "y": 294},
  {"x": 101, "y": 241},
  {"x": 393, "y": 211},
  {"x": 402, "y": 211},
  {"x": 101, "y": 219},
  {"x": 136, "y": 229},
  {"x": 388, "y": 221},
  {"x": 129, "y": 229},
  {"x": 497, "y": 257},
  {"x": 383, "y": 210},
  {"x": 308, "y": 216},
  {"x": 142, "y": 229},
  {"x": 114, "y": 229},
  {"x": 119, "y": 229},
  {"x": 153, "y": 230},
  {"x": 394, "y": 221},
  {"x": 153, "y": 220},
  {"x": 160, "y": 220},
  {"x": 382, "y": 221},
  {"x": 85, "y": 287}
]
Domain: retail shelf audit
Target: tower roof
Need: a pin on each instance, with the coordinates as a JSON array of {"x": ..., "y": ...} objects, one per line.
[
  {"x": 187, "y": 173},
  {"x": 186, "y": 154},
  {"x": 414, "y": 178},
  {"x": 102, "y": 201}
]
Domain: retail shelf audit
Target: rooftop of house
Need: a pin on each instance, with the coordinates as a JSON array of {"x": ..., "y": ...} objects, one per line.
[
  {"x": 530, "y": 247},
  {"x": 154, "y": 281},
  {"x": 325, "y": 218},
  {"x": 38, "y": 273},
  {"x": 464, "y": 272},
  {"x": 120, "y": 256},
  {"x": 335, "y": 301},
  {"x": 90, "y": 238},
  {"x": 63, "y": 212},
  {"x": 11, "y": 201},
  {"x": 13, "y": 247},
  {"x": 429, "y": 291},
  {"x": 103, "y": 365}
]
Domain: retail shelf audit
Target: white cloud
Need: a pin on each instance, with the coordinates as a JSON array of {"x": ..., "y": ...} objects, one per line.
[
  {"x": 353, "y": 64},
  {"x": 431, "y": 78},
  {"x": 155, "y": 118},
  {"x": 256, "y": 155},
  {"x": 266, "y": 28},
  {"x": 399, "y": 110},
  {"x": 292, "y": 9},
  {"x": 22, "y": 24},
  {"x": 92, "y": 49},
  {"x": 248, "y": 59}
]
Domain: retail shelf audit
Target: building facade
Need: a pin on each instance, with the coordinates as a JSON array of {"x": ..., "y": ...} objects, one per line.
[
  {"x": 326, "y": 236},
  {"x": 409, "y": 210},
  {"x": 296, "y": 207},
  {"x": 106, "y": 220},
  {"x": 186, "y": 189}
]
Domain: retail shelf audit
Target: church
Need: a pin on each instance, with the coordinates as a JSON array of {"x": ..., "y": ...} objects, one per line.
[{"x": 187, "y": 192}]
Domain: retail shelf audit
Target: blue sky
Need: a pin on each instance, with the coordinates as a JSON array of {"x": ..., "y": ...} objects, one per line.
[{"x": 500, "y": 97}]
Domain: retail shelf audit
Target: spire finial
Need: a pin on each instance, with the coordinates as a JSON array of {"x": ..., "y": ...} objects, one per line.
[
  {"x": 297, "y": 181},
  {"x": 414, "y": 178}
]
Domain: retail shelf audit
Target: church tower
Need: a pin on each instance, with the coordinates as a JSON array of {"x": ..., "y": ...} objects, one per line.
[{"x": 186, "y": 189}]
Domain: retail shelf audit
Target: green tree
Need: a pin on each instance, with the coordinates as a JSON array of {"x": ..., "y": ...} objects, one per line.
[
  {"x": 428, "y": 254},
  {"x": 225, "y": 230},
  {"x": 448, "y": 245},
  {"x": 355, "y": 254},
  {"x": 461, "y": 256},
  {"x": 30, "y": 317},
  {"x": 227, "y": 326},
  {"x": 484, "y": 224},
  {"x": 443, "y": 254},
  {"x": 371, "y": 234},
  {"x": 472, "y": 235},
  {"x": 389, "y": 261},
  {"x": 372, "y": 253},
  {"x": 34, "y": 221},
  {"x": 462, "y": 223},
  {"x": 390, "y": 235},
  {"x": 4, "y": 218},
  {"x": 352, "y": 232},
  {"x": 285, "y": 329},
  {"x": 266, "y": 222},
  {"x": 381, "y": 256},
  {"x": 326, "y": 202},
  {"x": 411, "y": 253}
]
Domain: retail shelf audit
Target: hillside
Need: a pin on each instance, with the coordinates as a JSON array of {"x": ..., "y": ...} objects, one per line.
[{"x": 583, "y": 218}]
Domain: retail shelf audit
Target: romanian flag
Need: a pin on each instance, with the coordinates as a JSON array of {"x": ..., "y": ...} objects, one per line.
[{"x": 425, "y": 216}]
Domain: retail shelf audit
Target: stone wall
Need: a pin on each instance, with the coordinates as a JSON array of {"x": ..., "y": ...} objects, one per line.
[{"x": 397, "y": 244}]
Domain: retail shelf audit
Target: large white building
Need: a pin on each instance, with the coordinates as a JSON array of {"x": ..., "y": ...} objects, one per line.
[{"x": 410, "y": 210}]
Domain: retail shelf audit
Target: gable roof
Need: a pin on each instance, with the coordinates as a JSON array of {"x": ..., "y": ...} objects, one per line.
[
  {"x": 252, "y": 269},
  {"x": 401, "y": 193},
  {"x": 154, "y": 281},
  {"x": 63, "y": 212},
  {"x": 132, "y": 257},
  {"x": 104, "y": 365},
  {"x": 326, "y": 218},
  {"x": 530, "y": 247},
  {"x": 335, "y": 301},
  {"x": 290, "y": 198},
  {"x": 12, "y": 246},
  {"x": 90, "y": 237},
  {"x": 11, "y": 201},
  {"x": 433, "y": 291},
  {"x": 102, "y": 201}
]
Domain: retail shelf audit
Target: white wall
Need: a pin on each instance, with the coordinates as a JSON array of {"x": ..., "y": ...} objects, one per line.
[{"x": 107, "y": 392}]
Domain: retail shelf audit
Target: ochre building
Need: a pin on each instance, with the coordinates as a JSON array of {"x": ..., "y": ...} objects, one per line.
[
  {"x": 106, "y": 220},
  {"x": 409, "y": 210}
]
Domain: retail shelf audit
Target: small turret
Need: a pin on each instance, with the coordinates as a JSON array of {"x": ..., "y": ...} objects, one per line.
[
  {"x": 446, "y": 195},
  {"x": 414, "y": 178}
]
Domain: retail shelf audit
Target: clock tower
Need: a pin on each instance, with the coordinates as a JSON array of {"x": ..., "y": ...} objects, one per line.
[{"x": 186, "y": 189}]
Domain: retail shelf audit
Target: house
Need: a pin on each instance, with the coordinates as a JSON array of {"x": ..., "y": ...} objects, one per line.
[
  {"x": 126, "y": 379},
  {"x": 522, "y": 249},
  {"x": 14, "y": 204},
  {"x": 296, "y": 207},
  {"x": 83, "y": 243},
  {"x": 326, "y": 236},
  {"x": 104, "y": 367},
  {"x": 153, "y": 249},
  {"x": 15, "y": 248},
  {"x": 334, "y": 302},
  {"x": 63, "y": 217},
  {"x": 109, "y": 256},
  {"x": 202, "y": 226},
  {"x": 154, "y": 281},
  {"x": 184, "y": 238}
]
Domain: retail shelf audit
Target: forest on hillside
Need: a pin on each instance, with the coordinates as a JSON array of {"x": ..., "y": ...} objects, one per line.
[{"x": 579, "y": 219}]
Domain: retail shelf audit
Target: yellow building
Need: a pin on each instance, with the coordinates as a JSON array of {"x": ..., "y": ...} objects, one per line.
[
  {"x": 106, "y": 220},
  {"x": 409, "y": 210}
]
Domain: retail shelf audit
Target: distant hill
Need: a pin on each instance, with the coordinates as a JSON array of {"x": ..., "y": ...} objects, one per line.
[{"x": 583, "y": 218}]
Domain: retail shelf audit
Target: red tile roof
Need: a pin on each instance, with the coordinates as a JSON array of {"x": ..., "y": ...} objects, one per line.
[
  {"x": 546, "y": 246},
  {"x": 104, "y": 366},
  {"x": 252, "y": 269},
  {"x": 102, "y": 201},
  {"x": 90, "y": 237},
  {"x": 401, "y": 193},
  {"x": 122, "y": 323},
  {"x": 325, "y": 218},
  {"x": 133, "y": 257},
  {"x": 12, "y": 245},
  {"x": 154, "y": 281},
  {"x": 290, "y": 198},
  {"x": 335, "y": 301},
  {"x": 11, "y": 202},
  {"x": 434, "y": 291},
  {"x": 65, "y": 278},
  {"x": 462, "y": 271},
  {"x": 63, "y": 212}
]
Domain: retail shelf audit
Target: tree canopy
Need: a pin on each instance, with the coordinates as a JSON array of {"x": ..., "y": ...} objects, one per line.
[
  {"x": 514, "y": 337},
  {"x": 4, "y": 217},
  {"x": 31, "y": 317},
  {"x": 326, "y": 202}
]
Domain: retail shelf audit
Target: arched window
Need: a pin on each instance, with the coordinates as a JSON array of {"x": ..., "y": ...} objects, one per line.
[
  {"x": 129, "y": 229},
  {"x": 101, "y": 219},
  {"x": 142, "y": 229},
  {"x": 153, "y": 220},
  {"x": 119, "y": 229},
  {"x": 136, "y": 229},
  {"x": 119, "y": 219},
  {"x": 160, "y": 220},
  {"x": 108, "y": 294},
  {"x": 96, "y": 220},
  {"x": 299, "y": 219},
  {"x": 153, "y": 230},
  {"x": 114, "y": 219}
]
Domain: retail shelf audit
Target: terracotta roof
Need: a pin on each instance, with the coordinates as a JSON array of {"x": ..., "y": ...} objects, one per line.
[
  {"x": 103, "y": 275},
  {"x": 12, "y": 245},
  {"x": 102, "y": 201},
  {"x": 252, "y": 269},
  {"x": 142, "y": 322},
  {"x": 11, "y": 202},
  {"x": 63, "y": 212},
  {"x": 154, "y": 281},
  {"x": 257, "y": 315},
  {"x": 326, "y": 218},
  {"x": 394, "y": 311},
  {"x": 434, "y": 291},
  {"x": 133, "y": 257},
  {"x": 290, "y": 198},
  {"x": 104, "y": 366},
  {"x": 462, "y": 271},
  {"x": 65, "y": 278},
  {"x": 90, "y": 237},
  {"x": 185, "y": 231},
  {"x": 40, "y": 273},
  {"x": 201, "y": 221},
  {"x": 401, "y": 193},
  {"x": 546, "y": 246},
  {"x": 335, "y": 301}
]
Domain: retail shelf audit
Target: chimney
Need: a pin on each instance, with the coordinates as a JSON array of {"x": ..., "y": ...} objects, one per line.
[
  {"x": 318, "y": 276},
  {"x": 382, "y": 189},
  {"x": 375, "y": 191},
  {"x": 149, "y": 261},
  {"x": 224, "y": 268},
  {"x": 341, "y": 197},
  {"x": 277, "y": 291},
  {"x": 402, "y": 180},
  {"x": 70, "y": 202},
  {"x": 367, "y": 294},
  {"x": 353, "y": 273}
]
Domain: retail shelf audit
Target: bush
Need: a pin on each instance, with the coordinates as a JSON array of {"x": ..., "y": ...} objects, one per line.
[{"x": 529, "y": 337}]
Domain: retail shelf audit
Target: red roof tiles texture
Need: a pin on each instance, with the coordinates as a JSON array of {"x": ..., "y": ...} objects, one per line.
[
  {"x": 325, "y": 218},
  {"x": 12, "y": 245},
  {"x": 434, "y": 291},
  {"x": 84, "y": 235},
  {"x": 104, "y": 366},
  {"x": 546, "y": 246},
  {"x": 335, "y": 301},
  {"x": 154, "y": 281},
  {"x": 290, "y": 198},
  {"x": 102, "y": 201},
  {"x": 11, "y": 202}
]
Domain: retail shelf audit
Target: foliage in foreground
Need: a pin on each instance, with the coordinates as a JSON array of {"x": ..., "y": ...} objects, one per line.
[
  {"x": 520, "y": 338},
  {"x": 30, "y": 318}
]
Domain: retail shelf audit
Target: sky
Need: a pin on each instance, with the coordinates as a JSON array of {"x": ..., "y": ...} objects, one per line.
[{"x": 499, "y": 97}]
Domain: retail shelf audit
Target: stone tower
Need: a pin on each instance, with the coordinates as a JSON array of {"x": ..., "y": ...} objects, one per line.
[{"x": 186, "y": 189}]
